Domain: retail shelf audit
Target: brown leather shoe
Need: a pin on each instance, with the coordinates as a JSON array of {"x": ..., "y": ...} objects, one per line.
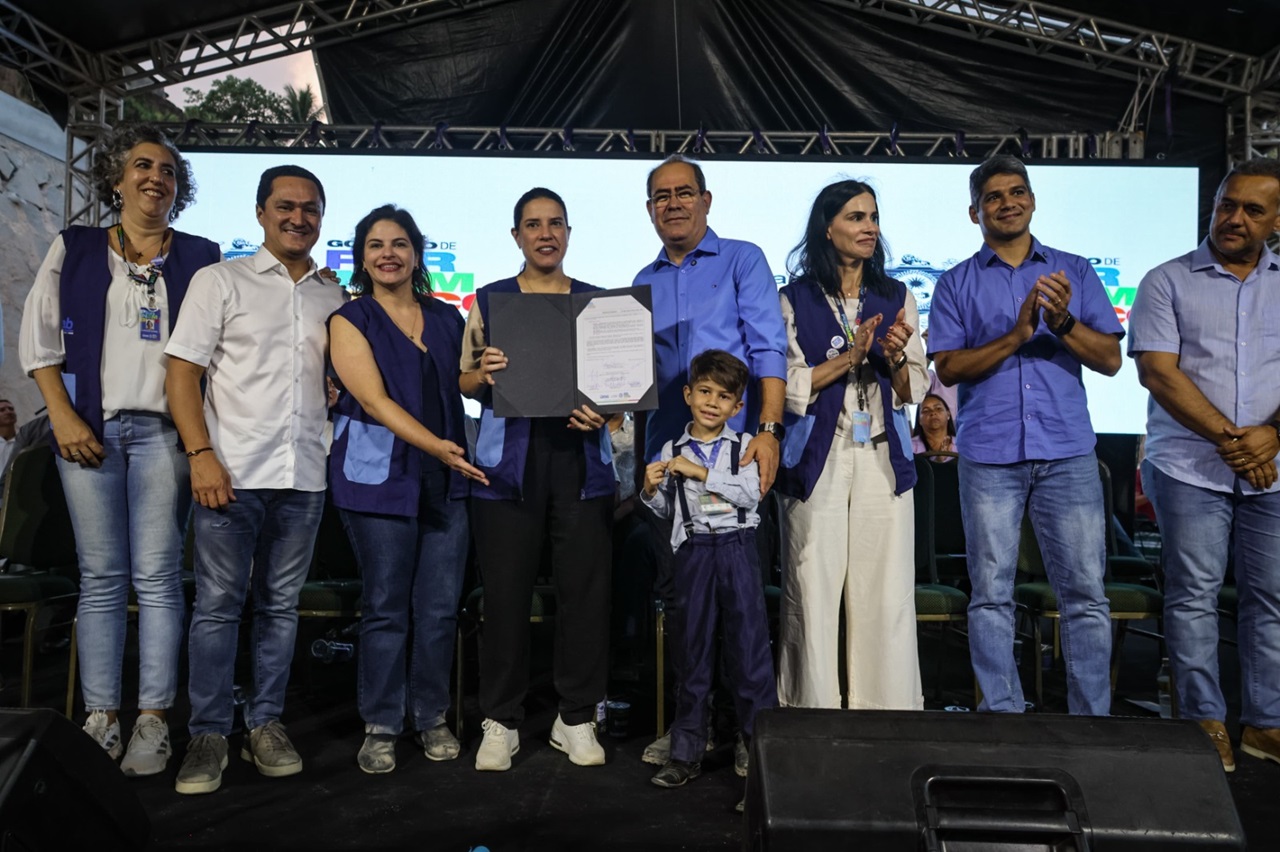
[
  {"x": 1261, "y": 742},
  {"x": 1218, "y": 733}
]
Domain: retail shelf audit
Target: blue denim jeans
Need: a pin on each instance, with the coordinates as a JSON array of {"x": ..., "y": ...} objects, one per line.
[
  {"x": 1198, "y": 527},
  {"x": 264, "y": 539},
  {"x": 412, "y": 570},
  {"x": 130, "y": 518},
  {"x": 1064, "y": 499}
]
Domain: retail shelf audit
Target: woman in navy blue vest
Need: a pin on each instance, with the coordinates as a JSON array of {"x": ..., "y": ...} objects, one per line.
[
  {"x": 551, "y": 487},
  {"x": 853, "y": 364},
  {"x": 398, "y": 474},
  {"x": 93, "y": 335}
]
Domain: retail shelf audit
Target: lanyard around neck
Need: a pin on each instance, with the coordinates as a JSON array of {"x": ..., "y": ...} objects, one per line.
[
  {"x": 146, "y": 277},
  {"x": 849, "y": 335}
]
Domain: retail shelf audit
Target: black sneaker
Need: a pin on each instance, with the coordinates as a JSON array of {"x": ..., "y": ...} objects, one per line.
[{"x": 676, "y": 773}]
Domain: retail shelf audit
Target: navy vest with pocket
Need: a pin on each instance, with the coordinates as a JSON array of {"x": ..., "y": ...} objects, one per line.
[
  {"x": 82, "y": 294},
  {"x": 809, "y": 436},
  {"x": 370, "y": 469}
]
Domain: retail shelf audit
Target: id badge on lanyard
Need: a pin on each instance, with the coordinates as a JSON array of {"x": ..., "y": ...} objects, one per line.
[
  {"x": 711, "y": 504},
  {"x": 861, "y": 426},
  {"x": 149, "y": 323},
  {"x": 861, "y": 417}
]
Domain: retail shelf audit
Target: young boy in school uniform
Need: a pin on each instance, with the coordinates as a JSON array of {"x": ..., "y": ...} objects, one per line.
[{"x": 699, "y": 480}]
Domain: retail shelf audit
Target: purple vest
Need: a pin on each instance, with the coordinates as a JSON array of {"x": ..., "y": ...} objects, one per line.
[
  {"x": 82, "y": 293},
  {"x": 808, "y": 438},
  {"x": 370, "y": 469},
  {"x": 502, "y": 446}
]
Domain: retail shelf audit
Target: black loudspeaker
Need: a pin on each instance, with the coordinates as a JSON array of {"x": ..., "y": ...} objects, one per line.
[
  {"x": 956, "y": 782},
  {"x": 60, "y": 791}
]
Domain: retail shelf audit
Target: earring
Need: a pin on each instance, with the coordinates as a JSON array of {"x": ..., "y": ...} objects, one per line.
[{"x": 117, "y": 200}]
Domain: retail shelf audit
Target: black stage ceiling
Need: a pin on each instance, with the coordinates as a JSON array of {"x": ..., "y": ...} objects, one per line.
[{"x": 1250, "y": 26}]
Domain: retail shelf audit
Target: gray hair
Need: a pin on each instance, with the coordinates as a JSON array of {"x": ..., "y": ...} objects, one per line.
[
  {"x": 698, "y": 176},
  {"x": 109, "y": 165},
  {"x": 1000, "y": 164}
]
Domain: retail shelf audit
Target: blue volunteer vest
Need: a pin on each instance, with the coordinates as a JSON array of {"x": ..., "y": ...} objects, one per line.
[
  {"x": 370, "y": 469},
  {"x": 503, "y": 443},
  {"x": 808, "y": 438},
  {"x": 82, "y": 293}
]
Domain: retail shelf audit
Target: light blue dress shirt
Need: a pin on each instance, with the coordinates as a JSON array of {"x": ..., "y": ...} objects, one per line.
[
  {"x": 721, "y": 296},
  {"x": 1226, "y": 333},
  {"x": 741, "y": 489},
  {"x": 1033, "y": 405}
]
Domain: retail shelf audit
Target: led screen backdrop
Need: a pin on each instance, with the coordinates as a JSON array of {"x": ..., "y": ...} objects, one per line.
[{"x": 1125, "y": 218}]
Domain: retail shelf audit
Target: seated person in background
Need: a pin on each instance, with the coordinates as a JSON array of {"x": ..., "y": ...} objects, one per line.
[
  {"x": 935, "y": 430},
  {"x": 950, "y": 395},
  {"x": 700, "y": 480}
]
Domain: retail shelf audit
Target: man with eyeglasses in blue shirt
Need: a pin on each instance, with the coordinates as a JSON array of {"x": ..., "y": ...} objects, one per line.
[{"x": 708, "y": 293}]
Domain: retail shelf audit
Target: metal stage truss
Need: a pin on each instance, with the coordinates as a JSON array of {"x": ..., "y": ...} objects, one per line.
[
  {"x": 96, "y": 82},
  {"x": 373, "y": 138}
]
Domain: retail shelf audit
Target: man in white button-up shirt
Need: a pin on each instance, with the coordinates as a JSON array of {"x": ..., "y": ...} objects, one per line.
[{"x": 254, "y": 329}]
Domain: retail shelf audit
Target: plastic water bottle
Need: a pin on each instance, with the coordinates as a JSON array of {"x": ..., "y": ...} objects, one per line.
[{"x": 1164, "y": 690}]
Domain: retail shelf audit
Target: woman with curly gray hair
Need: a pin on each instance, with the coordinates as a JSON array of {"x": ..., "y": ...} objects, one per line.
[{"x": 93, "y": 335}]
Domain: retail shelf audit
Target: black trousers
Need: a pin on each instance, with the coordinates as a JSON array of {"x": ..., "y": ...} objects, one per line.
[{"x": 510, "y": 537}]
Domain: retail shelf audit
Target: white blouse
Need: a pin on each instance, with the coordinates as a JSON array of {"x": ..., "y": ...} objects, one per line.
[
  {"x": 800, "y": 392},
  {"x": 132, "y": 368}
]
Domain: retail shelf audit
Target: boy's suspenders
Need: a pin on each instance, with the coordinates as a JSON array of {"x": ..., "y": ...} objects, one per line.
[{"x": 678, "y": 481}]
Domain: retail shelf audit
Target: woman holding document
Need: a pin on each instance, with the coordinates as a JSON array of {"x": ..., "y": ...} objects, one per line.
[{"x": 550, "y": 489}]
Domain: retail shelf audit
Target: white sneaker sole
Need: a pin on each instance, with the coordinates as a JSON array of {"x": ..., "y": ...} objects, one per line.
[
  {"x": 575, "y": 759},
  {"x": 190, "y": 788},
  {"x": 270, "y": 771},
  {"x": 132, "y": 771},
  {"x": 497, "y": 767},
  {"x": 1258, "y": 753}
]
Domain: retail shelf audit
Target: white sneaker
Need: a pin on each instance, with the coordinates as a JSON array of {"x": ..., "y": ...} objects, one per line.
[
  {"x": 578, "y": 741},
  {"x": 497, "y": 747},
  {"x": 149, "y": 747},
  {"x": 104, "y": 733}
]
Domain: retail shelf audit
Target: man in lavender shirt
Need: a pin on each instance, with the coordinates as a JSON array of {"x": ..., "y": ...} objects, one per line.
[
  {"x": 1013, "y": 326},
  {"x": 1206, "y": 338}
]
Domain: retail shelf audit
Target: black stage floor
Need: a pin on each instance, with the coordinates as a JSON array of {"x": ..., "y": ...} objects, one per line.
[{"x": 543, "y": 802}]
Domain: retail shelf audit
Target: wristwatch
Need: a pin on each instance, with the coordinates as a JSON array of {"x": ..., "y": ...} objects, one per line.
[
  {"x": 1065, "y": 328},
  {"x": 777, "y": 430}
]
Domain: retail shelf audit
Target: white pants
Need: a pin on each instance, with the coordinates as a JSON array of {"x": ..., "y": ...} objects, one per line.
[{"x": 853, "y": 539}]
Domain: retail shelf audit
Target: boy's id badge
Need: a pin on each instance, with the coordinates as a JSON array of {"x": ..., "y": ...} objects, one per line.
[
  {"x": 862, "y": 426},
  {"x": 714, "y": 504},
  {"x": 149, "y": 323}
]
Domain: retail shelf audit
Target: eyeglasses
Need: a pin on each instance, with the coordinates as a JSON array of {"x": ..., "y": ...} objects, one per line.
[{"x": 684, "y": 195}]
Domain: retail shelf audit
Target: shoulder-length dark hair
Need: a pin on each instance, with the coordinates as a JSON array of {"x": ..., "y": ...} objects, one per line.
[
  {"x": 951, "y": 420},
  {"x": 814, "y": 257},
  {"x": 360, "y": 283}
]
